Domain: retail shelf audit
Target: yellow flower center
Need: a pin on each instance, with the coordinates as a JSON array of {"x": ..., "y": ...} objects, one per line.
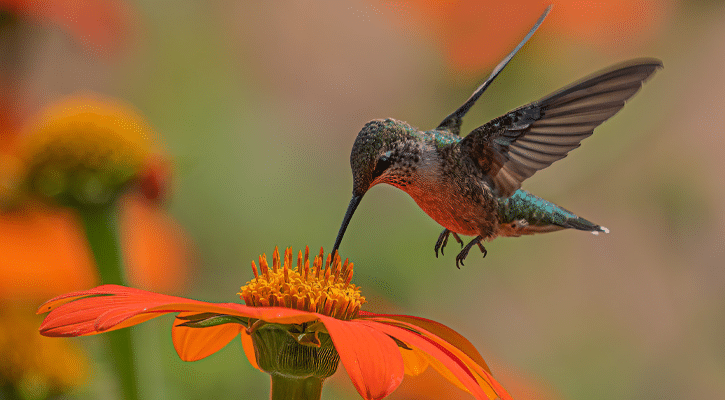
[
  {"x": 86, "y": 147},
  {"x": 321, "y": 288}
]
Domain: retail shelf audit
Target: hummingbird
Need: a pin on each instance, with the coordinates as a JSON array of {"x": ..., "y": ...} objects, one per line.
[{"x": 471, "y": 185}]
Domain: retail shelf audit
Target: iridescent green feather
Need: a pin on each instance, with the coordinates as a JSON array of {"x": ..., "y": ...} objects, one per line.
[{"x": 538, "y": 212}]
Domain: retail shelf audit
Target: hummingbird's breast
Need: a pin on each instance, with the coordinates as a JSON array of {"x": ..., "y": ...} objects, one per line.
[{"x": 449, "y": 191}]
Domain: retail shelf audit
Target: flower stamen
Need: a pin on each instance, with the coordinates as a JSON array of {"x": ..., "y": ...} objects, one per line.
[
  {"x": 275, "y": 259},
  {"x": 263, "y": 265},
  {"x": 327, "y": 290},
  {"x": 254, "y": 270}
]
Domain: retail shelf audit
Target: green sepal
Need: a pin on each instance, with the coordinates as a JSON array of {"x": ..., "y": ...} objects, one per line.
[
  {"x": 306, "y": 338},
  {"x": 306, "y": 334},
  {"x": 206, "y": 320},
  {"x": 279, "y": 352}
]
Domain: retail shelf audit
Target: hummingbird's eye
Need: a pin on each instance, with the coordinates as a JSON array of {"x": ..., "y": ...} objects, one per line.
[{"x": 383, "y": 163}]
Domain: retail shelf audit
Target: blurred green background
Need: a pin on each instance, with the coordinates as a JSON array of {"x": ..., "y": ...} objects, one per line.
[{"x": 258, "y": 104}]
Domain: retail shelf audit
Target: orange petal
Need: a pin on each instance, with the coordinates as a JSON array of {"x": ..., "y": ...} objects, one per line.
[
  {"x": 193, "y": 344},
  {"x": 370, "y": 357},
  {"x": 491, "y": 391},
  {"x": 449, "y": 360},
  {"x": 414, "y": 360},
  {"x": 278, "y": 315},
  {"x": 28, "y": 269},
  {"x": 58, "y": 301},
  {"x": 153, "y": 245},
  {"x": 111, "y": 307},
  {"x": 438, "y": 329},
  {"x": 448, "y": 375},
  {"x": 96, "y": 310},
  {"x": 481, "y": 373},
  {"x": 249, "y": 349}
]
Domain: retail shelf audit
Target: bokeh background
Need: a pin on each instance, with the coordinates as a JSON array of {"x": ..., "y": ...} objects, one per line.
[{"x": 257, "y": 105}]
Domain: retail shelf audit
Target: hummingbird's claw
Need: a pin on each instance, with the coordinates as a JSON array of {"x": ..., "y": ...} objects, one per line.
[
  {"x": 443, "y": 240},
  {"x": 464, "y": 253},
  {"x": 458, "y": 238},
  {"x": 483, "y": 249},
  {"x": 462, "y": 256}
]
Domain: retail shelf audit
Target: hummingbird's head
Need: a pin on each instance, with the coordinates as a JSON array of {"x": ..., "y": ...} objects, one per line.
[
  {"x": 376, "y": 149},
  {"x": 370, "y": 155}
]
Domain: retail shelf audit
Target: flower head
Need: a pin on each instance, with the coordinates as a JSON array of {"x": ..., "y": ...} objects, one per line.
[
  {"x": 85, "y": 150},
  {"x": 297, "y": 322}
]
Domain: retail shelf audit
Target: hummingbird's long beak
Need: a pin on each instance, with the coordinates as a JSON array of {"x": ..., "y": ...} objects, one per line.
[{"x": 348, "y": 214}]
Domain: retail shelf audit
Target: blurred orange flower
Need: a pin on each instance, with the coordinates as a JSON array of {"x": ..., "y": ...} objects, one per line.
[
  {"x": 431, "y": 386},
  {"x": 522, "y": 386},
  {"x": 100, "y": 25},
  {"x": 32, "y": 366},
  {"x": 474, "y": 34},
  {"x": 44, "y": 252},
  {"x": 153, "y": 244},
  {"x": 85, "y": 139},
  {"x": 611, "y": 24}
]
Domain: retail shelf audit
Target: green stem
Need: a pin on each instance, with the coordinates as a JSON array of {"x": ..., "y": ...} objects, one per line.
[
  {"x": 101, "y": 226},
  {"x": 286, "y": 388}
]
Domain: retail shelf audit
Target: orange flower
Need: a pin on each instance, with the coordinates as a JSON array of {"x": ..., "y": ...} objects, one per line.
[
  {"x": 85, "y": 149},
  {"x": 611, "y": 24},
  {"x": 31, "y": 366},
  {"x": 313, "y": 306},
  {"x": 98, "y": 24},
  {"x": 153, "y": 243},
  {"x": 474, "y": 33}
]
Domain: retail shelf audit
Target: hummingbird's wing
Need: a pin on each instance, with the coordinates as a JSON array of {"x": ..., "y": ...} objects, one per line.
[
  {"x": 514, "y": 146},
  {"x": 452, "y": 123}
]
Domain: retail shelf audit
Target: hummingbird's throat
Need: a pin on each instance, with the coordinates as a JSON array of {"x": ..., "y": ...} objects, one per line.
[{"x": 324, "y": 289}]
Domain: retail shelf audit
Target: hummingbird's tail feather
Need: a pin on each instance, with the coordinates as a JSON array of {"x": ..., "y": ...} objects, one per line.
[
  {"x": 582, "y": 224},
  {"x": 526, "y": 214}
]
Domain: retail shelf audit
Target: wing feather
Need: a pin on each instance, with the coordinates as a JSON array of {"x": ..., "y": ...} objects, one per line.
[{"x": 514, "y": 146}]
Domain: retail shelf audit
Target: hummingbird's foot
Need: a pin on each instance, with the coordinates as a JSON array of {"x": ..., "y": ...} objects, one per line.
[
  {"x": 443, "y": 240},
  {"x": 464, "y": 253}
]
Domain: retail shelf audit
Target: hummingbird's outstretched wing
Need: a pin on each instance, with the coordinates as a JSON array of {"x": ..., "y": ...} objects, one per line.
[
  {"x": 452, "y": 123},
  {"x": 514, "y": 146}
]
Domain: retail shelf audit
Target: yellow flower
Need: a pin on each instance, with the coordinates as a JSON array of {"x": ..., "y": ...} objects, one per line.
[
  {"x": 85, "y": 150},
  {"x": 68, "y": 155}
]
